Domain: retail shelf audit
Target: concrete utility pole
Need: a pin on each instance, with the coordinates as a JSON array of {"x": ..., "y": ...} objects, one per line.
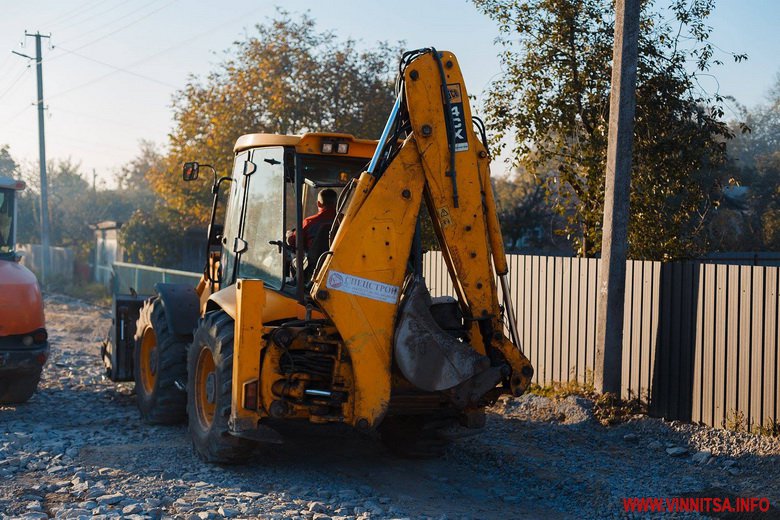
[
  {"x": 46, "y": 263},
  {"x": 609, "y": 329}
]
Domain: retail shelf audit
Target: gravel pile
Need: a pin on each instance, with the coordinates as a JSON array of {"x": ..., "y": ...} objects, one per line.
[{"x": 79, "y": 450}]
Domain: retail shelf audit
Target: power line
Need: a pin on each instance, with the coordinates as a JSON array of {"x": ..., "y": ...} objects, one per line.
[
  {"x": 105, "y": 24},
  {"x": 77, "y": 22},
  {"x": 156, "y": 54},
  {"x": 10, "y": 66},
  {"x": 14, "y": 82},
  {"x": 22, "y": 111},
  {"x": 11, "y": 71},
  {"x": 5, "y": 61},
  {"x": 113, "y": 32},
  {"x": 69, "y": 14},
  {"x": 118, "y": 69},
  {"x": 55, "y": 109}
]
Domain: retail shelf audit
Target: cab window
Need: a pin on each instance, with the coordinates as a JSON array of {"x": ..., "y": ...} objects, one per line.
[
  {"x": 264, "y": 218},
  {"x": 6, "y": 221}
]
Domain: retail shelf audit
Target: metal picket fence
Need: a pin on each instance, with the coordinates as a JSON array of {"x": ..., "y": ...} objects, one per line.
[
  {"x": 142, "y": 278},
  {"x": 700, "y": 339}
]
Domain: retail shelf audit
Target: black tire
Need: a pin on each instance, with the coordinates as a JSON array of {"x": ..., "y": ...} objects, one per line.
[
  {"x": 209, "y": 391},
  {"x": 17, "y": 389},
  {"x": 159, "y": 400}
]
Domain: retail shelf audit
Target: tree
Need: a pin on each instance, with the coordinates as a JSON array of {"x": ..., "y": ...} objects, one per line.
[
  {"x": 288, "y": 78},
  {"x": 133, "y": 175},
  {"x": 153, "y": 238},
  {"x": 74, "y": 206},
  {"x": 527, "y": 223},
  {"x": 554, "y": 101},
  {"x": 755, "y": 165},
  {"x": 8, "y": 167}
]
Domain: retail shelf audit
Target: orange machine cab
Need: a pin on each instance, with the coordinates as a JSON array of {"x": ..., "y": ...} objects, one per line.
[{"x": 24, "y": 345}]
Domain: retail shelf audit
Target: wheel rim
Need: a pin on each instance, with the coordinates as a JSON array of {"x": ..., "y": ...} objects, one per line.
[
  {"x": 148, "y": 361},
  {"x": 205, "y": 387}
]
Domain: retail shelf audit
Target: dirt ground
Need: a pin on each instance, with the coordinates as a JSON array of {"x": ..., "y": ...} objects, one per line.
[{"x": 79, "y": 449}]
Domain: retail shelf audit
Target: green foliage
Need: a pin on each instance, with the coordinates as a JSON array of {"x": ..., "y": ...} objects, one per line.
[
  {"x": 153, "y": 237},
  {"x": 286, "y": 78},
  {"x": 554, "y": 102}
]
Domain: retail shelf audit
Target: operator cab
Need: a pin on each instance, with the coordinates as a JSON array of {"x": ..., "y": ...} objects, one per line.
[
  {"x": 8, "y": 189},
  {"x": 276, "y": 182}
]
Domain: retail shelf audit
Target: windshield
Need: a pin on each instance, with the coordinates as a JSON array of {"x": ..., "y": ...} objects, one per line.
[
  {"x": 6, "y": 221},
  {"x": 327, "y": 169},
  {"x": 323, "y": 172}
]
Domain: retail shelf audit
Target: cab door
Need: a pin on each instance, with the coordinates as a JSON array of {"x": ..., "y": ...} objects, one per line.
[{"x": 255, "y": 218}]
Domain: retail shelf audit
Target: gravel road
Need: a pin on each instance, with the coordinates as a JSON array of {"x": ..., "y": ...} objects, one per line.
[{"x": 78, "y": 449}]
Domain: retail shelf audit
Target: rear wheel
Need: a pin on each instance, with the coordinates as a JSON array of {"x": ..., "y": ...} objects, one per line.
[
  {"x": 16, "y": 389},
  {"x": 209, "y": 385},
  {"x": 160, "y": 361}
]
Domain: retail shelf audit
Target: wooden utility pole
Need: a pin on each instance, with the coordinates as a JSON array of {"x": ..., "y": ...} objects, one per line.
[
  {"x": 45, "y": 252},
  {"x": 612, "y": 281}
]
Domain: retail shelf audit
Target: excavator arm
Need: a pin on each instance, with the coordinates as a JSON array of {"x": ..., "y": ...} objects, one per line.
[{"x": 428, "y": 154}]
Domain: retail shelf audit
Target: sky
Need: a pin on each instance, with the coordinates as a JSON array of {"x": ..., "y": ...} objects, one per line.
[{"x": 111, "y": 67}]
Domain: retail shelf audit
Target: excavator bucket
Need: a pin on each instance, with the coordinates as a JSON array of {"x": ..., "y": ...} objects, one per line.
[{"x": 430, "y": 358}]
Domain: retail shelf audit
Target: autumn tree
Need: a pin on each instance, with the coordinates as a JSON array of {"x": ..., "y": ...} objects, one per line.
[
  {"x": 288, "y": 77},
  {"x": 553, "y": 101}
]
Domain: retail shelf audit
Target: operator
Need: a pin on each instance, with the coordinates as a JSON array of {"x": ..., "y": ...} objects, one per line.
[{"x": 326, "y": 204}]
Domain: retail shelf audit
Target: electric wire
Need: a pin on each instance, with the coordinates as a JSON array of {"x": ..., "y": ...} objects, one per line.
[
  {"x": 14, "y": 82},
  {"x": 5, "y": 62},
  {"x": 119, "y": 69},
  {"x": 70, "y": 14},
  {"x": 79, "y": 23},
  {"x": 154, "y": 55},
  {"x": 121, "y": 28}
]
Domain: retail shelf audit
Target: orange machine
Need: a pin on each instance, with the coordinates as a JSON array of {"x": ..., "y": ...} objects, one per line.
[{"x": 23, "y": 339}]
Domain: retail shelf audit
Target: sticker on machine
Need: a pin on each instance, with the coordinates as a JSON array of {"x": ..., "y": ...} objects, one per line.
[
  {"x": 458, "y": 117},
  {"x": 362, "y": 287}
]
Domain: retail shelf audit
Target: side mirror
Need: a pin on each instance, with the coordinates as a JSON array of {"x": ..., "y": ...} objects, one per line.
[{"x": 191, "y": 170}]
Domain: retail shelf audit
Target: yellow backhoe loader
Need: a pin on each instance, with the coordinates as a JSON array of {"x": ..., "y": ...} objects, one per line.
[{"x": 339, "y": 327}]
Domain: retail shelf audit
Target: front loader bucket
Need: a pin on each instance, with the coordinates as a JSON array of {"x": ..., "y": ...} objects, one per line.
[{"x": 427, "y": 356}]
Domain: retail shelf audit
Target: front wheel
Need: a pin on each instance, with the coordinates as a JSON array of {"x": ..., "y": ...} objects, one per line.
[{"x": 209, "y": 385}]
